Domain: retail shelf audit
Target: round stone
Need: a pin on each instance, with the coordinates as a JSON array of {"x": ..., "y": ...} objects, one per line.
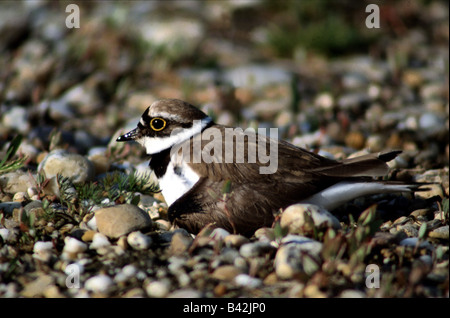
[
  {"x": 294, "y": 217},
  {"x": 99, "y": 284},
  {"x": 73, "y": 166},
  {"x": 139, "y": 241},
  {"x": 121, "y": 219}
]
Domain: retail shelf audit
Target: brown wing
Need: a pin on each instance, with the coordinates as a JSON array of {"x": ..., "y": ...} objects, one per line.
[{"x": 293, "y": 164}]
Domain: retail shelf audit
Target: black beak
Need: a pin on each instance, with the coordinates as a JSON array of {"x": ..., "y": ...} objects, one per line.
[{"x": 131, "y": 135}]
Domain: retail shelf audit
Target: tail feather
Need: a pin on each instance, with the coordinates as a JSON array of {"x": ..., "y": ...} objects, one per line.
[{"x": 370, "y": 165}]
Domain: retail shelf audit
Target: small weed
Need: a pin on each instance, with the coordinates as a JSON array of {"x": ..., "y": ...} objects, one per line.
[{"x": 7, "y": 164}]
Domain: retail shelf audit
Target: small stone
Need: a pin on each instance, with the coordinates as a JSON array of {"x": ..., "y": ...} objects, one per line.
[
  {"x": 433, "y": 190},
  {"x": 73, "y": 166},
  {"x": 292, "y": 261},
  {"x": 352, "y": 293},
  {"x": 305, "y": 244},
  {"x": 255, "y": 249},
  {"x": 235, "y": 240},
  {"x": 100, "y": 162},
  {"x": 226, "y": 272},
  {"x": 355, "y": 140},
  {"x": 98, "y": 241},
  {"x": 413, "y": 241},
  {"x": 313, "y": 291},
  {"x": 440, "y": 233},
  {"x": 42, "y": 251},
  {"x": 219, "y": 234},
  {"x": 72, "y": 247},
  {"x": 410, "y": 229},
  {"x": 180, "y": 243},
  {"x": 37, "y": 287},
  {"x": 139, "y": 241},
  {"x": 5, "y": 234},
  {"x": 20, "y": 197},
  {"x": 101, "y": 284},
  {"x": 121, "y": 219},
  {"x": 185, "y": 293},
  {"x": 265, "y": 234},
  {"x": 126, "y": 273},
  {"x": 32, "y": 191},
  {"x": 158, "y": 289},
  {"x": 16, "y": 118},
  {"x": 88, "y": 236},
  {"x": 245, "y": 280},
  {"x": 293, "y": 217}
]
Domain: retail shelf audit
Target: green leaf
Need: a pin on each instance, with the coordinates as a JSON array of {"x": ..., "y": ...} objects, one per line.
[
  {"x": 368, "y": 216},
  {"x": 423, "y": 230}
]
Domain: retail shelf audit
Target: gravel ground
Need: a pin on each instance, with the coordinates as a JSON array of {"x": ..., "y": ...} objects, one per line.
[{"x": 66, "y": 94}]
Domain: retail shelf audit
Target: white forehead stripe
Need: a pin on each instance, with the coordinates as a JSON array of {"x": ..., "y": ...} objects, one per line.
[{"x": 167, "y": 115}]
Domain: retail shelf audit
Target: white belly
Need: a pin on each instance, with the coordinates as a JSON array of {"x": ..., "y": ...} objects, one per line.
[{"x": 174, "y": 185}]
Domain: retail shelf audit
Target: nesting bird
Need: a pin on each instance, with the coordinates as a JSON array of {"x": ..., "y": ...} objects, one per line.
[{"x": 235, "y": 179}]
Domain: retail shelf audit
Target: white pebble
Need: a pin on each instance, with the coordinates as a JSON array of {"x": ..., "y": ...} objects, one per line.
[
  {"x": 247, "y": 281},
  {"x": 139, "y": 241},
  {"x": 99, "y": 240},
  {"x": 158, "y": 289},
  {"x": 32, "y": 191},
  {"x": 99, "y": 284},
  {"x": 219, "y": 233},
  {"x": 4, "y": 233},
  {"x": 42, "y": 251},
  {"x": 72, "y": 245},
  {"x": 126, "y": 273},
  {"x": 92, "y": 224}
]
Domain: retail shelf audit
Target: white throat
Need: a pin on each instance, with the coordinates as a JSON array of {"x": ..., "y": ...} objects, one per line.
[
  {"x": 178, "y": 179},
  {"x": 154, "y": 145}
]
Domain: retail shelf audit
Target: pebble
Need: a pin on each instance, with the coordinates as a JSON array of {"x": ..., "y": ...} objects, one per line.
[
  {"x": 412, "y": 241},
  {"x": 293, "y": 217},
  {"x": 245, "y": 280},
  {"x": 139, "y": 241},
  {"x": 70, "y": 165},
  {"x": 5, "y": 234},
  {"x": 101, "y": 284},
  {"x": 158, "y": 289},
  {"x": 72, "y": 247},
  {"x": 226, "y": 272},
  {"x": 42, "y": 251},
  {"x": 17, "y": 181},
  {"x": 99, "y": 240},
  {"x": 180, "y": 243},
  {"x": 121, "y": 219},
  {"x": 352, "y": 293},
  {"x": 255, "y": 249},
  {"x": 38, "y": 286},
  {"x": 185, "y": 293},
  {"x": 441, "y": 233},
  {"x": 219, "y": 234},
  {"x": 16, "y": 118},
  {"x": 235, "y": 240},
  {"x": 126, "y": 273},
  {"x": 434, "y": 190},
  {"x": 297, "y": 257}
]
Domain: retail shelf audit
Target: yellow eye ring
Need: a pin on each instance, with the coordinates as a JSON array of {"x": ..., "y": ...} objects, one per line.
[{"x": 157, "y": 124}]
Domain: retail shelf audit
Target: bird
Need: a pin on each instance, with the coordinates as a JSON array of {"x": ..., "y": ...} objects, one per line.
[{"x": 210, "y": 174}]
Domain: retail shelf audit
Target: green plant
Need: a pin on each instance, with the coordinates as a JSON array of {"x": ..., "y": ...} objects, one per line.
[{"x": 7, "y": 164}]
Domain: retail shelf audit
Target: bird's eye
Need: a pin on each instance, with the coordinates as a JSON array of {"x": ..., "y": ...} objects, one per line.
[{"x": 157, "y": 124}]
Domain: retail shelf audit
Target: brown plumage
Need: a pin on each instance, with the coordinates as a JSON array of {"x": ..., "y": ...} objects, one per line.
[{"x": 236, "y": 196}]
